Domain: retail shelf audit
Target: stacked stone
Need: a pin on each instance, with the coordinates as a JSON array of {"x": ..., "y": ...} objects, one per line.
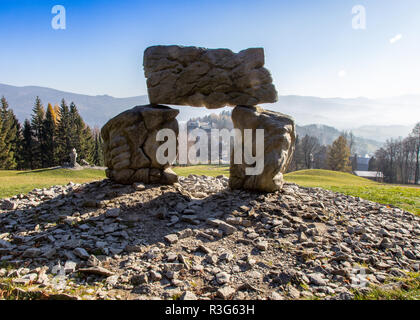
[
  {"x": 211, "y": 78},
  {"x": 130, "y": 145}
]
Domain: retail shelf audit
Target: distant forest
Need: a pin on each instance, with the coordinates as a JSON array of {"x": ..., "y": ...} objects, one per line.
[
  {"x": 46, "y": 140},
  {"x": 399, "y": 159}
]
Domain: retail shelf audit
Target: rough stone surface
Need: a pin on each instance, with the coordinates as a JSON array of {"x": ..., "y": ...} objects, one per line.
[
  {"x": 7, "y": 204},
  {"x": 130, "y": 145},
  {"x": 46, "y": 238},
  {"x": 188, "y": 296},
  {"x": 211, "y": 78},
  {"x": 279, "y": 145},
  {"x": 225, "y": 292}
]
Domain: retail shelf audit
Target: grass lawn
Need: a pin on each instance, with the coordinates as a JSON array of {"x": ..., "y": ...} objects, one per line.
[
  {"x": 409, "y": 289},
  {"x": 15, "y": 182}
]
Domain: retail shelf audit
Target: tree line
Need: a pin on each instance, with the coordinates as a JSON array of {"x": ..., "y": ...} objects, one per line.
[
  {"x": 47, "y": 138},
  {"x": 311, "y": 154},
  {"x": 399, "y": 159}
]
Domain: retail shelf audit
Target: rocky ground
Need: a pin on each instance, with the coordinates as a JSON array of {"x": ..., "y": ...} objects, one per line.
[{"x": 198, "y": 239}]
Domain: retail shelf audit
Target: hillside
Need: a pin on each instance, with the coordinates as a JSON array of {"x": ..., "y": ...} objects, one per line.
[
  {"x": 317, "y": 177},
  {"x": 376, "y": 119},
  {"x": 346, "y": 183},
  {"x": 397, "y": 113},
  {"x": 382, "y": 133},
  {"x": 95, "y": 110},
  {"x": 325, "y": 134}
]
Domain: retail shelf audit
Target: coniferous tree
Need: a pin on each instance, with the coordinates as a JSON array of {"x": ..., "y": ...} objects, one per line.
[
  {"x": 56, "y": 113},
  {"x": 338, "y": 155},
  {"x": 76, "y": 129},
  {"x": 87, "y": 145},
  {"x": 8, "y": 136},
  {"x": 38, "y": 139},
  {"x": 63, "y": 147},
  {"x": 17, "y": 142},
  {"x": 47, "y": 139},
  {"x": 49, "y": 133},
  {"x": 27, "y": 146},
  {"x": 2, "y": 135},
  {"x": 81, "y": 137},
  {"x": 98, "y": 155}
]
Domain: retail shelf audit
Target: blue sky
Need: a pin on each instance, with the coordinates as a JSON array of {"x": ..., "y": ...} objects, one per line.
[{"x": 310, "y": 46}]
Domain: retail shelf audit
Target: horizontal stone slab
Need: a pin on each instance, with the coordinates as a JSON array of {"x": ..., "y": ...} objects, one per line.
[{"x": 211, "y": 78}]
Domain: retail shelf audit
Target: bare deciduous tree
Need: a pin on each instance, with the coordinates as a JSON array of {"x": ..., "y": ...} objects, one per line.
[{"x": 399, "y": 159}]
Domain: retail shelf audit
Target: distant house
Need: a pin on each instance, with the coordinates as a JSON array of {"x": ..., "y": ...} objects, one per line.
[
  {"x": 372, "y": 175},
  {"x": 360, "y": 163},
  {"x": 191, "y": 125},
  {"x": 205, "y": 126}
]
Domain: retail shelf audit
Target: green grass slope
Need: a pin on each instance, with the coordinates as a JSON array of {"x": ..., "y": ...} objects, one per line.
[
  {"x": 404, "y": 197},
  {"x": 315, "y": 177},
  {"x": 15, "y": 182}
]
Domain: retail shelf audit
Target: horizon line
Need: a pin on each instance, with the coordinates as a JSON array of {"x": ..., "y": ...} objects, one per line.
[{"x": 284, "y": 95}]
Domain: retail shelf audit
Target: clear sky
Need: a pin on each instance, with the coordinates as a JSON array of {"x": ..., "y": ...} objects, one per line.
[{"x": 311, "y": 47}]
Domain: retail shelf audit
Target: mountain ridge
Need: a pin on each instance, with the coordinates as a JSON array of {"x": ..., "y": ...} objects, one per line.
[{"x": 340, "y": 113}]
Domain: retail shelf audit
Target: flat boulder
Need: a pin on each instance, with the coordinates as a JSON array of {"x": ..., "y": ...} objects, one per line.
[{"x": 211, "y": 78}]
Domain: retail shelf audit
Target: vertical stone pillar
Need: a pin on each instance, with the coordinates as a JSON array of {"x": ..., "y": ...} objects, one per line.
[
  {"x": 130, "y": 145},
  {"x": 279, "y": 145}
]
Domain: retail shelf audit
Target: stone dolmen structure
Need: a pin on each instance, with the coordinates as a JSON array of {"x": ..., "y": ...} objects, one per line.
[{"x": 199, "y": 77}]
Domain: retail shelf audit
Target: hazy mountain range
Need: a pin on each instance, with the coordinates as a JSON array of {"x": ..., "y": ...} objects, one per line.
[
  {"x": 367, "y": 118},
  {"x": 326, "y": 135}
]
